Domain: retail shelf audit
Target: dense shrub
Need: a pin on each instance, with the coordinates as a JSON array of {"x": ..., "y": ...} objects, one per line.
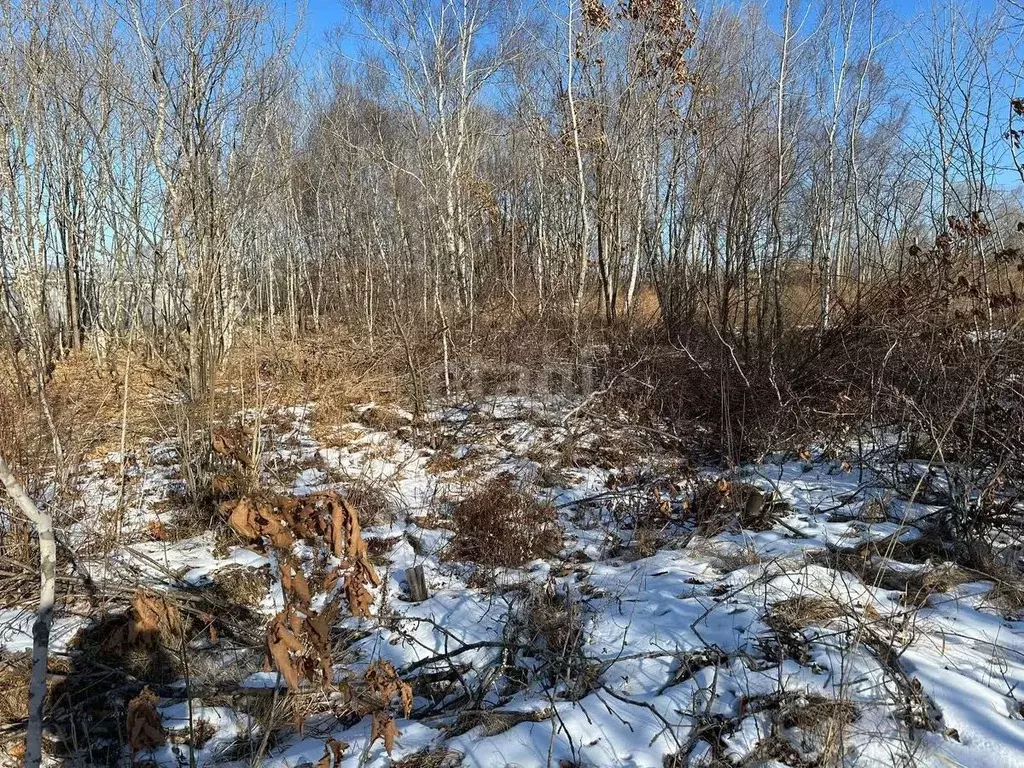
[{"x": 501, "y": 525}]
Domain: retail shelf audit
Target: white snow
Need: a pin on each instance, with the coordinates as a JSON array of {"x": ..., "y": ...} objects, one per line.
[{"x": 680, "y": 642}]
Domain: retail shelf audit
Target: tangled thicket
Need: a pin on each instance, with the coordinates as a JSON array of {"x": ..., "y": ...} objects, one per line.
[{"x": 502, "y": 525}]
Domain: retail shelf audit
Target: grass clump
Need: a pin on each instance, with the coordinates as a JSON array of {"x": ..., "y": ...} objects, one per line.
[{"x": 502, "y": 525}]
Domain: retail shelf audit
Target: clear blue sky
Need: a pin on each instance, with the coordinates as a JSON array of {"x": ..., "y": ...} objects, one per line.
[{"x": 320, "y": 18}]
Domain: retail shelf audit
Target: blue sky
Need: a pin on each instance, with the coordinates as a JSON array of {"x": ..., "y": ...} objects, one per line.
[
  {"x": 321, "y": 17},
  {"x": 324, "y": 15}
]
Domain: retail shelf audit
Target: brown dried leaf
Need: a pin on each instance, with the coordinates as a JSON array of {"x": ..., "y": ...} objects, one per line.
[
  {"x": 293, "y": 582},
  {"x": 359, "y": 597},
  {"x": 383, "y": 681},
  {"x": 318, "y": 630},
  {"x": 153, "y": 620},
  {"x": 333, "y": 750},
  {"x": 222, "y": 444},
  {"x": 16, "y": 751},
  {"x": 332, "y": 578},
  {"x": 405, "y": 692},
  {"x": 145, "y": 731},
  {"x": 210, "y": 621},
  {"x": 241, "y": 519},
  {"x": 384, "y": 727},
  {"x": 280, "y": 641},
  {"x": 338, "y": 527},
  {"x": 221, "y": 485},
  {"x": 252, "y": 521}
]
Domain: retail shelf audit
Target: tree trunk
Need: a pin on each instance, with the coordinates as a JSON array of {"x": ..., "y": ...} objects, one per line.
[{"x": 44, "y": 617}]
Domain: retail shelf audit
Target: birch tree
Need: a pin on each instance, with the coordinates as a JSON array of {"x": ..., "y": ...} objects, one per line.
[{"x": 43, "y": 524}]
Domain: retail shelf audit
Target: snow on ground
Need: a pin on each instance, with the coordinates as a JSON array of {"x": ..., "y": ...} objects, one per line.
[{"x": 784, "y": 646}]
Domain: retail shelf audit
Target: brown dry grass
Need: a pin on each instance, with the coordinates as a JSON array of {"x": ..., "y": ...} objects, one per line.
[
  {"x": 430, "y": 758},
  {"x": 14, "y": 677},
  {"x": 920, "y": 584},
  {"x": 243, "y": 585},
  {"x": 87, "y": 402},
  {"x": 501, "y": 525},
  {"x": 334, "y": 369},
  {"x": 441, "y": 462},
  {"x": 720, "y": 503},
  {"x": 787, "y": 620},
  {"x": 805, "y": 611},
  {"x": 376, "y": 506},
  {"x": 493, "y": 722},
  {"x": 820, "y": 724}
]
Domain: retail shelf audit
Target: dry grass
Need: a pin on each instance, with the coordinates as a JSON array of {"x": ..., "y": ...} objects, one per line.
[
  {"x": 196, "y": 737},
  {"x": 375, "y": 504},
  {"x": 243, "y": 585},
  {"x": 646, "y": 541},
  {"x": 332, "y": 369},
  {"x": 14, "y": 677},
  {"x": 788, "y": 618},
  {"x": 383, "y": 418},
  {"x": 919, "y": 584},
  {"x": 810, "y": 711},
  {"x": 89, "y": 400},
  {"x": 805, "y": 611},
  {"x": 1008, "y": 597},
  {"x": 442, "y": 462},
  {"x": 430, "y": 758},
  {"x": 493, "y": 722},
  {"x": 501, "y": 525},
  {"x": 803, "y": 730},
  {"x": 16, "y": 546},
  {"x": 379, "y": 550},
  {"x": 807, "y": 729},
  {"x": 553, "y": 619},
  {"x": 550, "y": 625},
  {"x": 719, "y": 504}
]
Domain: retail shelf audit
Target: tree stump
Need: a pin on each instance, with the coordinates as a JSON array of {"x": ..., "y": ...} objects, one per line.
[{"x": 417, "y": 584}]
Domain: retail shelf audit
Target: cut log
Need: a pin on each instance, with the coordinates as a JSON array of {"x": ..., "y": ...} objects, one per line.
[{"x": 417, "y": 584}]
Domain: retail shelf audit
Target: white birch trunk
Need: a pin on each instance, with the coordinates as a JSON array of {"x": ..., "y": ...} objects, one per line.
[{"x": 44, "y": 617}]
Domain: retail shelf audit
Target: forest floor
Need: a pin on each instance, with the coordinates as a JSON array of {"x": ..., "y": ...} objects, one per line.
[{"x": 786, "y": 613}]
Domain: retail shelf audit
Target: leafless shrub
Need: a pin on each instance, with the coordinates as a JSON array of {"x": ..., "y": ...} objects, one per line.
[
  {"x": 501, "y": 525},
  {"x": 549, "y": 626},
  {"x": 719, "y": 504},
  {"x": 377, "y": 504}
]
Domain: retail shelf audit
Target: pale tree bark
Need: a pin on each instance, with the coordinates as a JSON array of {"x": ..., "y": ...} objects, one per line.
[
  {"x": 44, "y": 616},
  {"x": 774, "y": 276},
  {"x": 829, "y": 255},
  {"x": 583, "y": 244}
]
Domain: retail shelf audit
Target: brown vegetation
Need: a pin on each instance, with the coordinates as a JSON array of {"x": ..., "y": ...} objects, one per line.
[
  {"x": 501, "y": 525},
  {"x": 673, "y": 219}
]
